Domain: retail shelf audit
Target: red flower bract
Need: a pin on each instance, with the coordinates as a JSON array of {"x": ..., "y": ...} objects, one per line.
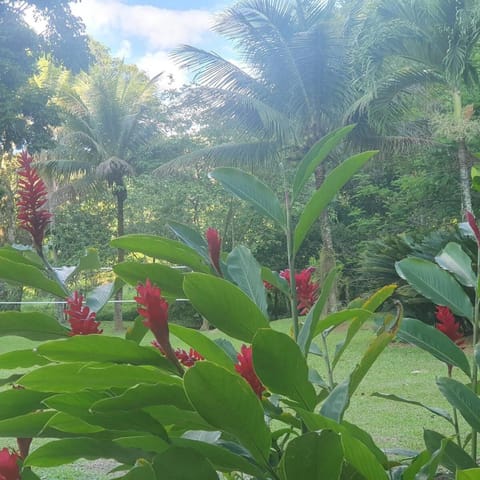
[
  {"x": 447, "y": 324},
  {"x": 188, "y": 359},
  {"x": 32, "y": 194},
  {"x": 214, "y": 243},
  {"x": 473, "y": 225},
  {"x": 82, "y": 320},
  {"x": 245, "y": 368},
  {"x": 307, "y": 291},
  {"x": 9, "y": 469}
]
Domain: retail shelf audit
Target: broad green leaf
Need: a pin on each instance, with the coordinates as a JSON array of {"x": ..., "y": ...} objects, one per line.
[
  {"x": 61, "y": 452},
  {"x": 276, "y": 280},
  {"x": 141, "y": 471},
  {"x": 454, "y": 457},
  {"x": 162, "y": 248},
  {"x": 314, "y": 421},
  {"x": 224, "y": 305},
  {"x": 436, "y": 411},
  {"x": 25, "y": 426},
  {"x": 337, "y": 318},
  {"x": 99, "y": 296},
  {"x": 203, "y": 345},
  {"x": 64, "y": 422},
  {"x": 16, "y": 402},
  {"x": 281, "y": 366},
  {"x": 371, "y": 304},
  {"x": 435, "y": 342},
  {"x": 418, "y": 462},
  {"x": 141, "y": 396},
  {"x": 245, "y": 271},
  {"x": 453, "y": 259},
  {"x": 461, "y": 398},
  {"x": 231, "y": 406},
  {"x": 436, "y": 284},
  {"x": 75, "y": 377},
  {"x": 27, "y": 474},
  {"x": 179, "y": 463},
  {"x": 166, "y": 278},
  {"x": 469, "y": 474},
  {"x": 316, "y": 155},
  {"x": 31, "y": 325},
  {"x": 21, "y": 359},
  {"x": 314, "y": 456},
  {"x": 19, "y": 256},
  {"x": 29, "y": 276},
  {"x": 307, "y": 332},
  {"x": 191, "y": 238},
  {"x": 362, "y": 459},
  {"x": 89, "y": 261},
  {"x": 429, "y": 470},
  {"x": 149, "y": 443},
  {"x": 137, "y": 331},
  {"x": 337, "y": 402},
  {"x": 249, "y": 188},
  {"x": 102, "y": 348},
  {"x": 334, "y": 181},
  {"x": 177, "y": 419}
]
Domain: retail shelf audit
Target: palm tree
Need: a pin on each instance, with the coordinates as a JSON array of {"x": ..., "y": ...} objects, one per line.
[
  {"x": 108, "y": 117},
  {"x": 410, "y": 49},
  {"x": 290, "y": 90}
]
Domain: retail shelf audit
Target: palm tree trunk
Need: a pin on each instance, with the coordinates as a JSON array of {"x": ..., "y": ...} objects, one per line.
[
  {"x": 464, "y": 176},
  {"x": 121, "y": 195},
  {"x": 327, "y": 239}
]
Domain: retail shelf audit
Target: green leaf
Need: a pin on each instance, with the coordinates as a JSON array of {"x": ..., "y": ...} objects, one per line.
[
  {"x": 362, "y": 459},
  {"x": 178, "y": 463},
  {"x": 137, "y": 331},
  {"x": 166, "y": 278},
  {"x": 456, "y": 261},
  {"x": 16, "y": 402},
  {"x": 337, "y": 402},
  {"x": 276, "y": 280},
  {"x": 28, "y": 425},
  {"x": 245, "y": 271},
  {"x": 314, "y": 456},
  {"x": 61, "y": 452},
  {"x": 75, "y": 377},
  {"x": 29, "y": 276},
  {"x": 470, "y": 474},
  {"x": 230, "y": 406},
  {"x": 102, "y": 348},
  {"x": 281, "y": 366},
  {"x": 454, "y": 457},
  {"x": 17, "y": 256},
  {"x": 436, "y": 411},
  {"x": 163, "y": 248},
  {"x": 224, "y": 305},
  {"x": 203, "y": 345},
  {"x": 435, "y": 284},
  {"x": 32, "y": 325},
  {"x": 435, "y": 342},
  {"x": 191, "y": 238},
  {"x": 99, "y": 296},
  {"x": 140, "y": 396},
  {"x": 334, "y": 181},
  {"x": 176, "y": 419},
  {"x": 21, "y": 359},
  {"x": 256, "y": 193},
  {"x": 307, "y": 332},
  {"x": 316, "y": 155},
  {"x": 338, "y": 318},
  {"x": 64, "y": 422},
  {"x": 89, "y": 261},
  {"x": 463, "y": 399},
  {"x": 141, "y": 471}
]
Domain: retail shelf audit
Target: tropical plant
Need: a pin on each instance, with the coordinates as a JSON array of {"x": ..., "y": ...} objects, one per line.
[{"x": 162, "y": 412}]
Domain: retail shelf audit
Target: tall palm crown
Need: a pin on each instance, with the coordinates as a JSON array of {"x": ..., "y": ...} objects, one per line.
[{"x": 290, "y": 87}]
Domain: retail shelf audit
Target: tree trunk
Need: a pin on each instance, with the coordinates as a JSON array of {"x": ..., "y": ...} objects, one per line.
[
  {"x": 328, "y": 249},
  {"x": 121, "y": 195},
  {"x": 464, "y": 176}
]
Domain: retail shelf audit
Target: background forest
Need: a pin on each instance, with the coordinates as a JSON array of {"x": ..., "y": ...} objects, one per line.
[{"x": 120, "y": 155}]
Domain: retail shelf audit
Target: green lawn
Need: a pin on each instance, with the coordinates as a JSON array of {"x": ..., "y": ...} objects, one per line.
[{"x": 402, "y": 370}]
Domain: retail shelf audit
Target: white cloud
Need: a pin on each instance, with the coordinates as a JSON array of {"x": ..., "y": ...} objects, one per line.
[
  {"x": 159, "y": 28},
  {"x": 159, "y": 62},
  {"x": 125, "y": 50}
]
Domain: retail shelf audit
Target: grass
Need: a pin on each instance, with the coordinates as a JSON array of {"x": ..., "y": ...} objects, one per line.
[{"x": 402, "y": 370}]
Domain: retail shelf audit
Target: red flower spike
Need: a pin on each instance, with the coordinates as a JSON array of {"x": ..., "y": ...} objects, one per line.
[
  {"x": 307, "y": 291},
  {"x": 32, "y": 194},
  {"x": 188, "y": 359},
  {"x": 214, "y": 243},
  {"x": 245, "y": 368},
  {"x": 82, "y": 320},
  {"x": 9, "y": 469},
  {"x": 447, "y": 324},
  {"x": 473, "y": 225}
]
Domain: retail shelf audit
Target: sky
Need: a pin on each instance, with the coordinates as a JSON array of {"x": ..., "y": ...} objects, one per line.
[{"x": 144, "y": 32}]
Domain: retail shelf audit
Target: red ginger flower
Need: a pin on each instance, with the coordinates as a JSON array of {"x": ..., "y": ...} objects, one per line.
[
  {"x": 307, "y": 291},
  {"x": 447, "y": 324},
  {"x": 188, "y": 359},
  {"x": 9, "y": 469},
  {"x": 82, "y": 320},
  {"x": 214, "y": 243},
  {"x": 32, "y": 194},
  {"x": 473, "y": 225},
  {"x": 245, "y": 368}
]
